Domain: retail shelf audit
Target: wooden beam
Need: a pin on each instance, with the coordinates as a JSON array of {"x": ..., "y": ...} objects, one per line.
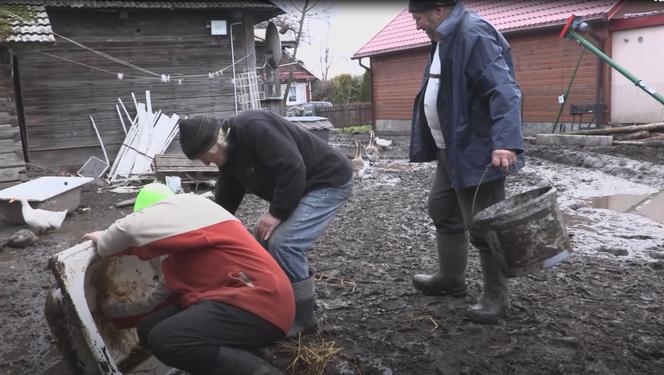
[
  {"x": 617, "y": 130},
  {"x": 10, "y": 174}
]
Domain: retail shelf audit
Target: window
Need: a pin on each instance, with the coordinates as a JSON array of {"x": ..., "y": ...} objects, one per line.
[{"x": 292, "y": 95}]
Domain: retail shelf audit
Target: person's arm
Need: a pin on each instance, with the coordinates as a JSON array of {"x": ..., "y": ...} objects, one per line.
[
  {"x": 116, "y": 239},
  {"x": 147, "y": 234},
  {"x": 492, "y": 78},
  {"x": 279, "y": 153},
  {"x": 115, "y": 309},
  {"x": 229, "y": 192}
]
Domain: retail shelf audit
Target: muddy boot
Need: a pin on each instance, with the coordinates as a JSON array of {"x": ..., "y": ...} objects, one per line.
[
  {"x": 304, "y": 307},
  {"x": 234, "y": 361},
  {"x": 495, "y": 300},
  {"x": 452, "y": 258}
]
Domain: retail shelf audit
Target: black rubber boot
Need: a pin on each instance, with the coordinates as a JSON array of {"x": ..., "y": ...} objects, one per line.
[
  {"x": 234, "y": 361},
  {"x": 304, "y": 307},
  {"x": 494, "y": 303},
  {"x": 452, "y": 259}
]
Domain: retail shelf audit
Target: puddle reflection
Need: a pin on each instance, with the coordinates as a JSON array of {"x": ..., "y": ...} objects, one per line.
[{"x": 651, "y": 206}]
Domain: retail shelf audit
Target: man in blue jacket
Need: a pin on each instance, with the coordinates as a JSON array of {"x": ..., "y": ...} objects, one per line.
[{"x": 467, "y": 117}]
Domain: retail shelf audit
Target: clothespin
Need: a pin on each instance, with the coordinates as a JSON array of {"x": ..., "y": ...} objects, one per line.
[
  {"x": 120, "y": 75},
  {"x": 180, "y": 82},
  {"x": 165, "y": 78},
  {"x": 210, "y": 75}
]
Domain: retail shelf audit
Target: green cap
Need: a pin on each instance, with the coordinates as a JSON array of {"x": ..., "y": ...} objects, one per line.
[{"x": 151, "y": 194}]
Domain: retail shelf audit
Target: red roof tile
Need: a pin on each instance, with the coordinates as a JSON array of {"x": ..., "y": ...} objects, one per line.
[{"x": 506, "y": 16}]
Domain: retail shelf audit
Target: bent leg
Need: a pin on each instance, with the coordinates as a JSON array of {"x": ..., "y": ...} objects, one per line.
[
  {"x": 192, "y": 339},
  {"x": 291, "y": 240}
]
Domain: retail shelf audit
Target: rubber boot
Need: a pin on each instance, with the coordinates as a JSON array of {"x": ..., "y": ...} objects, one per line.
[
  {"x": 234, "y": 361},
  {"x": 495, "y": 300},
  {"x": 452, "y": 259},
  {"x": 304, "y": 307}
]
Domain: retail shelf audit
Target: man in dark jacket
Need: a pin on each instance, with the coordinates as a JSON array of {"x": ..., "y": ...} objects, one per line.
[
  {"x": 467, "y": 117},
  {"x": 304, "y": 179}
]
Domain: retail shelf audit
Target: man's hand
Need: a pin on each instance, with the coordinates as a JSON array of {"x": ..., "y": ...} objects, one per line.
[
  {"x": 266, "y": 226},
  {"x": 503, "y": 159},
  {"x": 93, "y": 236}
]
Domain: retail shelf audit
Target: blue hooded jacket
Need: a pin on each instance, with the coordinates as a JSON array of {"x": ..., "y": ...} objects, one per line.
[{"x": 479, "y": 100}]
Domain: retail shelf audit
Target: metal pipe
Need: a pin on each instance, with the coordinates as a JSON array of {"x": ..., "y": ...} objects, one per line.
[
  {"x": 364, "y": 66},
  {"x": 566, "y": 93},
  {"x": 599, "y": 81},
  {"x": 233, "y": 64},
  {"x": 638, "y": 82}
]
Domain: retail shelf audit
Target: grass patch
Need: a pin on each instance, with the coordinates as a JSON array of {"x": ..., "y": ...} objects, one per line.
[{"x": 355, "y": 129}]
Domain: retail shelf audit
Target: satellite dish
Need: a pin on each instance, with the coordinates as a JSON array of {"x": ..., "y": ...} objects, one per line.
[{"x": 272, "y": 46}]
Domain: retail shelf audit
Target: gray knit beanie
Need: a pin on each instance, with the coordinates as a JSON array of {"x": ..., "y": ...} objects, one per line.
[
  {"x": 420, "y": 6},
  {"x": 198, "y": 135}
]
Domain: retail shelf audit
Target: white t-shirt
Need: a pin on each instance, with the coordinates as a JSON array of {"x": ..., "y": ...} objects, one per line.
[{"x": 430, "y": 97}]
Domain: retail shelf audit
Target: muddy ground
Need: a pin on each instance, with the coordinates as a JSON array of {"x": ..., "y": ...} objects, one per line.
[{"x": 602, "y": 311}]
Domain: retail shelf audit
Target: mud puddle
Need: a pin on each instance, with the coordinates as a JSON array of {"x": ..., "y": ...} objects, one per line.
[{"x": 648, "y": 205}]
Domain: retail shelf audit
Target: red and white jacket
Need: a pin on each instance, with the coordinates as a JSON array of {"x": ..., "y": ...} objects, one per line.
[{"x": 210, "y": 256}]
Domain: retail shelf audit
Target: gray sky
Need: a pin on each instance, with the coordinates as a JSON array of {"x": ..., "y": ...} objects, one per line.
[{"x": 351, "y": 25}]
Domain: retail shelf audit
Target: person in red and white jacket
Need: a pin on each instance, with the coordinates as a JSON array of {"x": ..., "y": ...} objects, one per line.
[{"x": 221, "y": 293}]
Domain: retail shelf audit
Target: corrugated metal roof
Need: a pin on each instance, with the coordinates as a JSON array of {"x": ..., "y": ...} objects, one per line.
[
  {"x": 37, "y": 28},
  {"x": 33, "y": 28},
  {"x": 506, "y": 16},
  {"x": 150, "y": 4}
]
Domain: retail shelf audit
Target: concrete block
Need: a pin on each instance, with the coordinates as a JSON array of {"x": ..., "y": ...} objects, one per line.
[{"x": 573, "y": 140}]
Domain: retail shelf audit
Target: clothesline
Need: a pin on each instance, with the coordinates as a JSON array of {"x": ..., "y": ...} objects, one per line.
[{"x": 163, "y": 78}]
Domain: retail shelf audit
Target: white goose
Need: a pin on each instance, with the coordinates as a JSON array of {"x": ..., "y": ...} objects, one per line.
[
  {"x": 359, "y": 165},
  {"x": 383, "y": 143},
  {"x": 38, "y": 219},
  {"x": 371, "y": 150}
]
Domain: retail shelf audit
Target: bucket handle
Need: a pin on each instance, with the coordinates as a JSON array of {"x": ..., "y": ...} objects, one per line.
[{"x": 472, "y": 209}]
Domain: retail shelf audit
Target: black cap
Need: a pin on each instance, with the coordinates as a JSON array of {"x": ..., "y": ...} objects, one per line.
[
  {"x": 420, "y": 6},
  {"x": 198, "y": 135}
]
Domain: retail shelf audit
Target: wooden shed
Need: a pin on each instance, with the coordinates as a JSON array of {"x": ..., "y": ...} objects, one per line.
[
  {"x": 544, "y": 62},
  {"x": 99, "y": 51}
]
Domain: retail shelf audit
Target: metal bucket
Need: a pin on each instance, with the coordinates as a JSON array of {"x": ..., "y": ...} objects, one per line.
[{"x": 526, "y": 232}]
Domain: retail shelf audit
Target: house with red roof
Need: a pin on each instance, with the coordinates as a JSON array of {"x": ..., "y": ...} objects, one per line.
[
  {"x": 301, "y": 87},
  {"x": 631, "y": 32}
]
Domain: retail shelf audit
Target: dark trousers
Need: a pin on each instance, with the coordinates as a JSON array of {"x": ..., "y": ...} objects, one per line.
[
  {"x": 190, "y": 339},
  {"x": 450, "y": 208}
]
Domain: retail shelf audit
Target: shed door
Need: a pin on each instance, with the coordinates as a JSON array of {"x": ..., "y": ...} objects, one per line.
[{"x": 640, "y": 52}]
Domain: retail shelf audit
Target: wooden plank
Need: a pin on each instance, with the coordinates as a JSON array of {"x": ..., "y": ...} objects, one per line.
[
  {"x": 180, "y": 163},
  {"x": 9, "y": 144},
  {"x": 622, "y": 129},
  {"x": 7, "y": 131},
  {"x": 11, "y": 159},
  {"x": 176, "y": 169},
  {"x": 10, "y": 174}
]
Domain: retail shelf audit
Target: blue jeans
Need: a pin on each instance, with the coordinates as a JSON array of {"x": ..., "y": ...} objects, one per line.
[{"x": 291, "y": 240}]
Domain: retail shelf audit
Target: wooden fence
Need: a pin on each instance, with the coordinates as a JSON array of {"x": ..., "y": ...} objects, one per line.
[{"x": 344, "y": 116}]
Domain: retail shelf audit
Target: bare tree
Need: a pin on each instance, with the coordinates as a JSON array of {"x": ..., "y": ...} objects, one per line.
[
  {"x": 325, "y": 52},
  {"x": 298, "y": 12}
]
